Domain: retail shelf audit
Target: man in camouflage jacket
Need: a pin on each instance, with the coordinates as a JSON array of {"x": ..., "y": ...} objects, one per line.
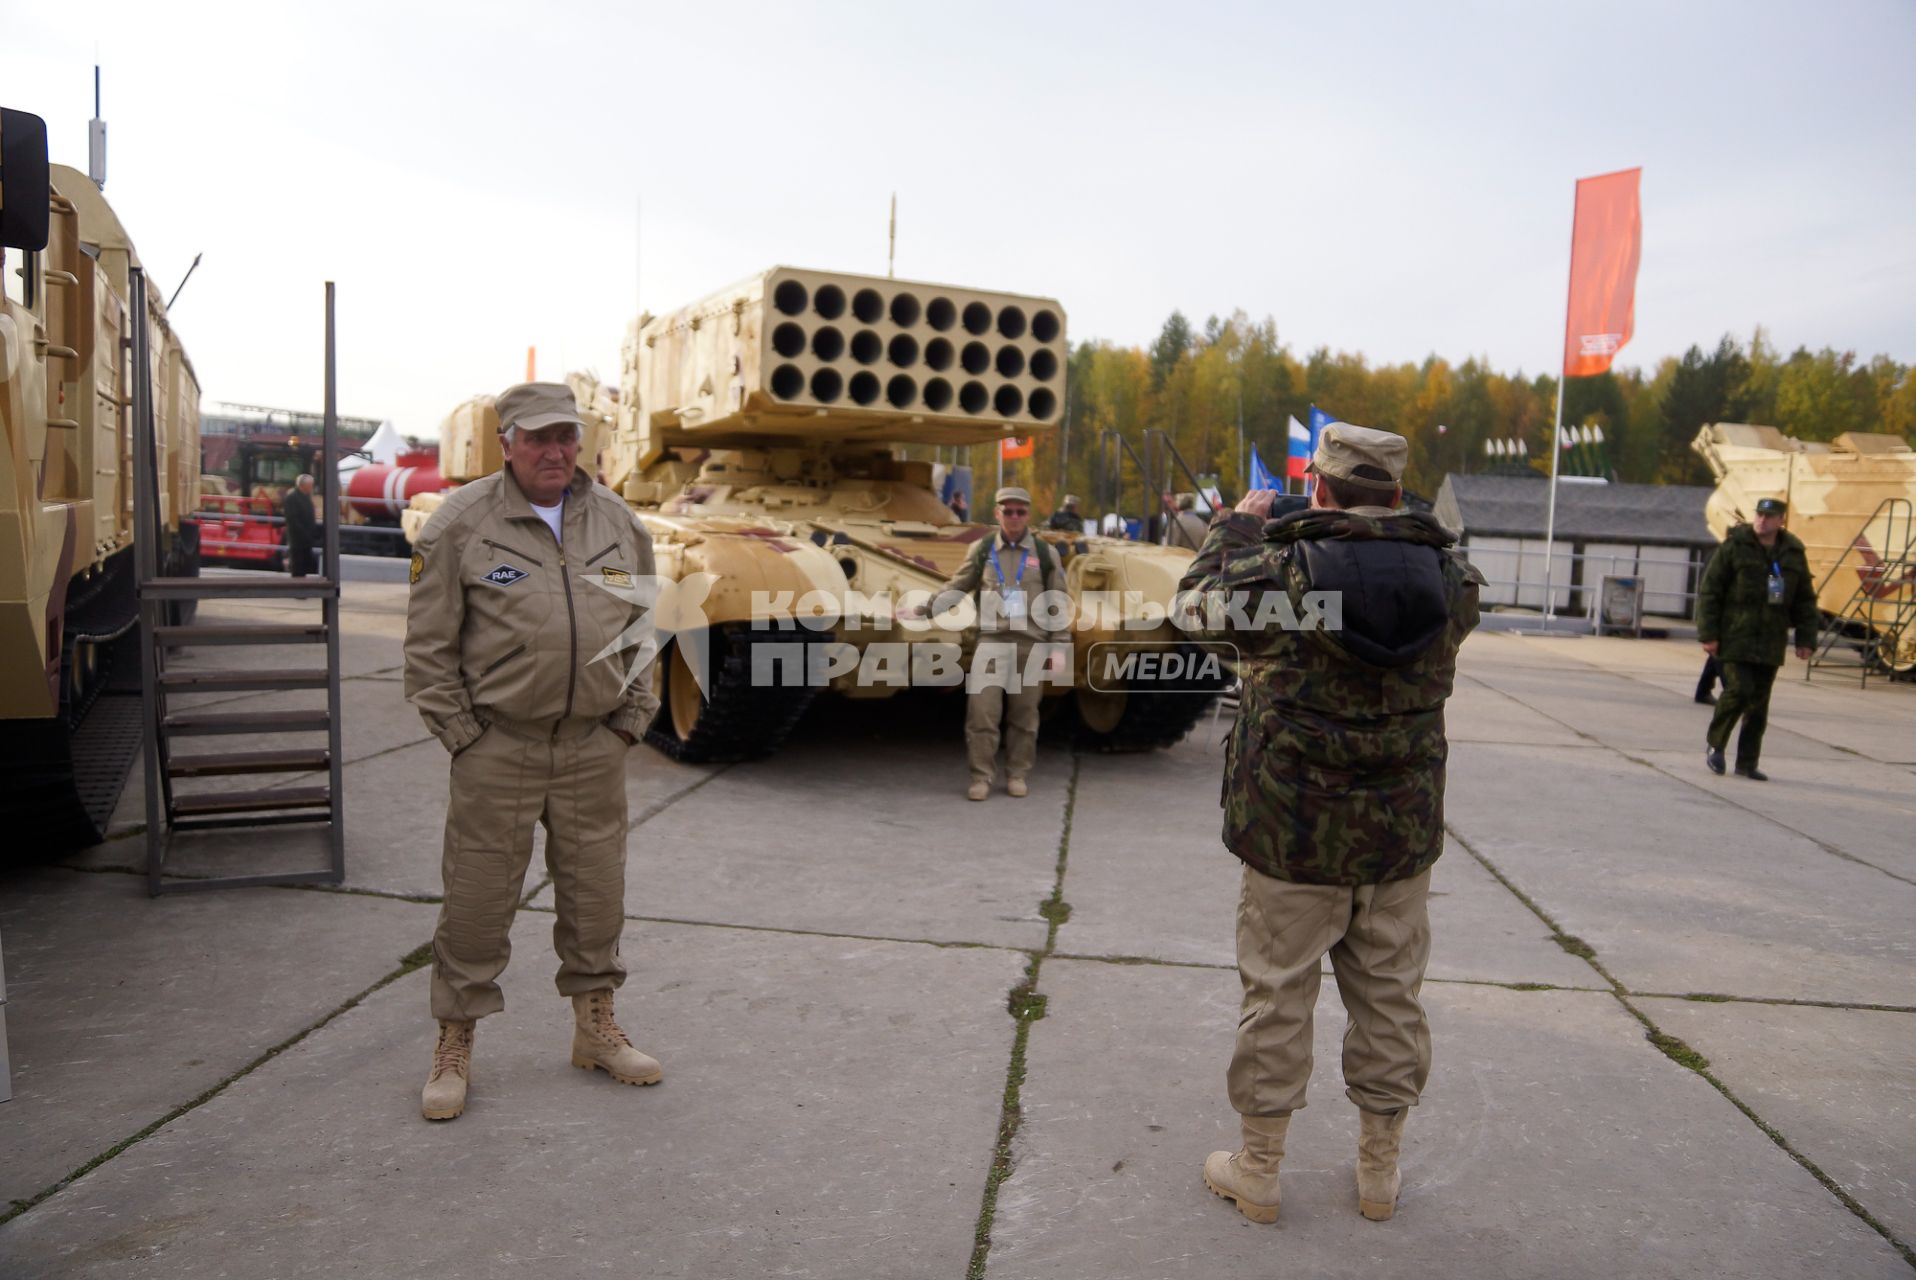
[
  {"x": 1757, "y": 589},
  {"x": 1333, "y": 791}
]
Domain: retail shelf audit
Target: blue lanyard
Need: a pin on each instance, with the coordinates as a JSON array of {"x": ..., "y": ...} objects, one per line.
[{"x": 1018, "y": 581}]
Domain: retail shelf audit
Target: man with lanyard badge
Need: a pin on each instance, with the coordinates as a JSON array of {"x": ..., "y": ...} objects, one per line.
[
  {"x": 1018, "y": 581},
  {"x": 1756, "y": 591}
]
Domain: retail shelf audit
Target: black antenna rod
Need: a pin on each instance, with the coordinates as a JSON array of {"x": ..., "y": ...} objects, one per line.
[{"x": 183, "y": 279}]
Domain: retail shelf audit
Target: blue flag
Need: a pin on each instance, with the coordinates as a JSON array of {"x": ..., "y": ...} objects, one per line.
[
  {"x": 1319, "y": 420},
  {"x": 1261, "y": 477}
]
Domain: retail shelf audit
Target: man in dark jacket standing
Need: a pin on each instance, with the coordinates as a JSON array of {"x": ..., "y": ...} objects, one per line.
[
  {"x": 302, "y": 527},
  {"x": 1333, "y": 792},
  {"x": 1757, "y": 588}
]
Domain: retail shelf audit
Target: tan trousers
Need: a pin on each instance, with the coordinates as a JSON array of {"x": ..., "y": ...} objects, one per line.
[
  {"x": 985, "y": 708},
  {"x": 510, "y": 778},
  {"x": 1378, "y": 937}
]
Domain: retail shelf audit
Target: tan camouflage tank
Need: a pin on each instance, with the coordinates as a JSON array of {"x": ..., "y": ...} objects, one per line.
[
  {"x": 1850, "y": 501},
  {"x": 69, "y": 660},
  {"x": 758, "y": 432}
]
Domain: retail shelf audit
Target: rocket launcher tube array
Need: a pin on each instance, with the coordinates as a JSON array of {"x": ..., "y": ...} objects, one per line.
[{"x": 794, "y": 352}]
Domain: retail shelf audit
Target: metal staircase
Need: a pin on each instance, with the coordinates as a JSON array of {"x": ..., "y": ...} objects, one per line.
[
  {"x": 1875, "y": 631},
  {"x": 175, "y": 806}
]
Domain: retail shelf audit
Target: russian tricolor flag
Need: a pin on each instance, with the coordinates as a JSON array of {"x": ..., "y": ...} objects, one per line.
[{"x": 1300, "y": 451}]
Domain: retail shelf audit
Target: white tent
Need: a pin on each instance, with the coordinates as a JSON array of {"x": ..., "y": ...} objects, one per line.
[{"x": 386, "y": 443}]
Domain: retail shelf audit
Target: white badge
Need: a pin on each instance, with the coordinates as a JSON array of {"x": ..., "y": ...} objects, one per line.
[{"x": 1014, "y": 598}]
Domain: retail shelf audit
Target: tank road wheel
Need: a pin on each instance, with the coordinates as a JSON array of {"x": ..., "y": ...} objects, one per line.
[
  {"x": 1100, "y": 711},
  {"x": 1139, "y": 719},
  {"x": 682, "y": 701},
  {"x": 732, "y": 719}
]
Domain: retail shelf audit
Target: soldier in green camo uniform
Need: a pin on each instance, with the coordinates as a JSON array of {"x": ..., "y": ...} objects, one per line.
[
  {"x": 1333, "y": 792},
  {"x": 1757, "y": 588}
]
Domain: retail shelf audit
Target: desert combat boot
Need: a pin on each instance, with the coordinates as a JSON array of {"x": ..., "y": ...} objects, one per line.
[
  {"x": 598, "y": 1042},
  {"x": 444, "y": 1096},
  {"x": 1377, "y": 1178},
  {"x": 1249, "y": 1176}
]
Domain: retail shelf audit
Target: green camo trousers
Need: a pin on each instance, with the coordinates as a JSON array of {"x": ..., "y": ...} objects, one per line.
[
  {"x": 1378, "y": 938},
  {"x": 1746, "y": 695},
  {"x": 511, "y": 777}
]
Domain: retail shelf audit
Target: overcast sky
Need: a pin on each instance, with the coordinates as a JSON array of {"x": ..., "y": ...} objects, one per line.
[{"x": 1395, "y": 179}]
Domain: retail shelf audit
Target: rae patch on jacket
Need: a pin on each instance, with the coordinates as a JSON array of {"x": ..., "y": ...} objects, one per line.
[{"x": 505, "y": 575}]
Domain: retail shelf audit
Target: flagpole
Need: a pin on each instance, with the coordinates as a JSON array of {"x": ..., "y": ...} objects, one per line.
[
  {"x": 1243, "y": 468},
  {"x": 1550, "y": 521},
  {"x": 1556, "y": 431}
]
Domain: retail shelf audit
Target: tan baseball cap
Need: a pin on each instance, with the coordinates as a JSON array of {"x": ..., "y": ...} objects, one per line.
[
  {"x": 532, "y": 405},
  {"x": 1343, "y": 447},
  {"x": 1011, "y": 493},
  {"x": 1070, "y": 500}
]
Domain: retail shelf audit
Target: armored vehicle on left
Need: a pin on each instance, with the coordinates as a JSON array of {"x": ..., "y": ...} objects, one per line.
[{"x": 69, "y": 661}]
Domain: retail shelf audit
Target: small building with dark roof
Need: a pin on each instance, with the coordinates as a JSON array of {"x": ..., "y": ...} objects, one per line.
[{"x": 1651, "y": 531}]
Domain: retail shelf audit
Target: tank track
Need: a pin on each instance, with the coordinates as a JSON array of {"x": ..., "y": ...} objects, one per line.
[
  {"x": 736, "y": 721},
  {"x": 1151, "y": 719}
]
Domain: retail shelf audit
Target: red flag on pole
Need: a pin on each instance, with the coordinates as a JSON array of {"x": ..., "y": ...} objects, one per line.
[
  {"x": 1604, "y": 245},
  {"x": 1017, "y": 447}
]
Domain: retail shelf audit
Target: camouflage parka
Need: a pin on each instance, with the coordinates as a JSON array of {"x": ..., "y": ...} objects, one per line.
[
  {"x": 1334, "y": 771},
  {"x": 1733, "y": 605}
]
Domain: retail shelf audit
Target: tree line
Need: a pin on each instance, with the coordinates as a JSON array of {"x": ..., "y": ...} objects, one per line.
[{"x": 1196, "y": 384}]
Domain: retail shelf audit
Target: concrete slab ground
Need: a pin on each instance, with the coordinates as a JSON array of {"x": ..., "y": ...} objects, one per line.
[
  {"x": 833, "y": 952},
  {"x": 125, "y": 1008},
  {"x": 1677, "y": 891},
  {"x": 1550, "y": 1142},
  {"x": 1144, "y": 883},
  {"x": 816, "y": 1119},
  {"x": 821, "y": 843},
  {"x": 1837, "y": 1082}
]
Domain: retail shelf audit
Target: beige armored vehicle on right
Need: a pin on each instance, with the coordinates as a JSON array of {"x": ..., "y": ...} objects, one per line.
[{"x": 1853, "y": 503}]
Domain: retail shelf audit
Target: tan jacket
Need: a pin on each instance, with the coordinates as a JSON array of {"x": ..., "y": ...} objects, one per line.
[
  {"x": 1189, "y": 531},
  {"x": 503, "y": 622},
  {"x": 1043, "y": 571}
]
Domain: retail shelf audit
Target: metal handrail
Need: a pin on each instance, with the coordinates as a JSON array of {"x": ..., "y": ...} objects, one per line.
[
  {"x": 1909, "y": 536},
  {"x": 1872, "y": 645},
  {"x": 1113, "y": 465},
  {"x": 1161, "y": 439}
]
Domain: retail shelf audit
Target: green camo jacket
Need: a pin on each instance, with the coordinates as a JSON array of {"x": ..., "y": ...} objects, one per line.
[
  {"x": 1334, "y": 771},
  {"x": 1733, "y": 605}
]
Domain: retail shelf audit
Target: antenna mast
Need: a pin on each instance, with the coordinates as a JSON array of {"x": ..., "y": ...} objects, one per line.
[{"x": 96, "y": 138}]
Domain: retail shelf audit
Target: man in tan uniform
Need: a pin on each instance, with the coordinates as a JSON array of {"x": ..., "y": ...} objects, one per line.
[
  {"x": 1190, "y": 528},
  {"x": 1018, "y": 581},
  {"x": 518, "y": 581}
]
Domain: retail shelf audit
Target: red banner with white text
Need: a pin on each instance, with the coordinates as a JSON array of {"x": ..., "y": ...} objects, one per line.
[{"x": 1604, "y": 246}]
